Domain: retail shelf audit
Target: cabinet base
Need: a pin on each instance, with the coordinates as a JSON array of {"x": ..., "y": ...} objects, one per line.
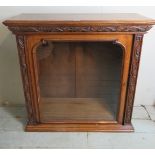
[{"x": 79, "y": 128}]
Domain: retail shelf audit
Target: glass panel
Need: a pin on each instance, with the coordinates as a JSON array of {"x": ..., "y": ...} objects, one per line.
[{"x": 79, "y": 81}]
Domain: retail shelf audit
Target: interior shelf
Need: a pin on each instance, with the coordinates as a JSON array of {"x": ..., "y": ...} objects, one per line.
[{"x": 77, "y": 109}]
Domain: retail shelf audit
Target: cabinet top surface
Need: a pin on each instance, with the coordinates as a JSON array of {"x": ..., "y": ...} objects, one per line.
[{"x": 111, "y": 18}]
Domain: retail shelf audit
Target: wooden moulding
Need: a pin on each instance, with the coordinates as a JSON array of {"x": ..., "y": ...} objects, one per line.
[
  {"x": 108, "y": 28},
  {"x": 80, "y": 128},
  {"x": 63, "y": 23}
]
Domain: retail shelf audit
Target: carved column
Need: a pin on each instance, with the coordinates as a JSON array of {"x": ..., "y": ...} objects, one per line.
[
  {"x": 133, "y": 73},
  {"x": 25, "y": 78}
]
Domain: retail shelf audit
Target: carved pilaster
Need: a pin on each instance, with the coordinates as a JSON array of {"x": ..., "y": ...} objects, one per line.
[
  {"x": 133, "y": 73},
  {"x": 26, "y": 84}
]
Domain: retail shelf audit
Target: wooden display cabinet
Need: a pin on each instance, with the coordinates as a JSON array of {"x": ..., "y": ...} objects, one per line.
[{"x": 79, "y": 71}]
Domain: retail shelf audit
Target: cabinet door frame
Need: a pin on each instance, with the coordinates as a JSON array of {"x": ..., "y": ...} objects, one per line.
[{"x": 124, "y": 40}]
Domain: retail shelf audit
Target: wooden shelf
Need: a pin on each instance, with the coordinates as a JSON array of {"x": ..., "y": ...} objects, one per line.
[{"x": 77, "y": 109}]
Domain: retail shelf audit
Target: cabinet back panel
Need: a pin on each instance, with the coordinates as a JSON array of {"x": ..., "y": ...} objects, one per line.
[{"x": 79, "y": 69}]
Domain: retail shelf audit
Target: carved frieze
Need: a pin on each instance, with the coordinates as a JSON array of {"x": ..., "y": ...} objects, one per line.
[{"x": 120, "y": 28}]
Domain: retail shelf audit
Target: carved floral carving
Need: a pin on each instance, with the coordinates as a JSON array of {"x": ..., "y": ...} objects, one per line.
[
  {"x": 133, "y": 77},
  {"x": 52, "y": 28},
  {"x": 24, "y": 71}
]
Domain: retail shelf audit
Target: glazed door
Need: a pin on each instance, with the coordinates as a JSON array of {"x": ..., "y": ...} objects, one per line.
[{"x": 80, "y": 79}]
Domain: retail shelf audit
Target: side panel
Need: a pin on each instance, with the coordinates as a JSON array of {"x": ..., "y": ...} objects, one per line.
[
  {"x": 27, "y": 76},
  {"x": 132, "y": 79}
]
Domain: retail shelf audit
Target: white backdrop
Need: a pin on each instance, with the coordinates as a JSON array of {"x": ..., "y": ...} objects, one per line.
[{"x": 11, "y": 91}]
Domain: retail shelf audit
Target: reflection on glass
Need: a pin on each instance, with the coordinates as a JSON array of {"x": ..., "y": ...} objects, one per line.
[{"x": 79, "y": 80}]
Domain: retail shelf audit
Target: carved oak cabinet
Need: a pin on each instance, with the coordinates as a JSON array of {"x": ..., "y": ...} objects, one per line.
[{"x": 79, "y": 71}]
